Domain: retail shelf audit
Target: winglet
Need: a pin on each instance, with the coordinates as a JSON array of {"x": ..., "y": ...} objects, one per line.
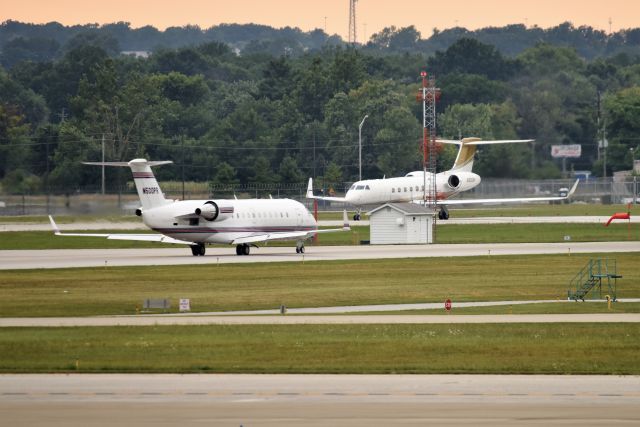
[
  {"x": 56, "y": 230},
  {"x": 310, "y": 189},
  {"x": 345, "y": 221},
  {"x": 573, "y": 189}
]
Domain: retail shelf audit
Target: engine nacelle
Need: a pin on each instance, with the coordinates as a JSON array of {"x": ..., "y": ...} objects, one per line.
[
  {"x": 212, "y": 212},
  {"x": 453, "y": 181},
  {"x": 208, "y": 211},
  {"x": 461, "y": 180}
]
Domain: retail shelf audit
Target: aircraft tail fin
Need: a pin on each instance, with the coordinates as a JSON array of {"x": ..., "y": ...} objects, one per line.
[
  {"x": 149, "y": 191},
  {"x": 468, "y": 147},
  {"x": 466, "y": 154}
]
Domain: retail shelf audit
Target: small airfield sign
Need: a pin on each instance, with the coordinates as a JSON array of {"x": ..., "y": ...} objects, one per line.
[{"x": 447, "y": 305}]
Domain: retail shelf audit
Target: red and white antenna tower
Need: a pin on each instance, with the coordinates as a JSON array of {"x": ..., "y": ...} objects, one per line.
[
  {"x": 352, "y": 22},
  {"x": 428, "y": 95}
]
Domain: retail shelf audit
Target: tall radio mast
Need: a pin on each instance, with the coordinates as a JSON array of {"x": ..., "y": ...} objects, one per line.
[
  {"x": 428, "y": 95},
  {"x": 352, "y": 22}
]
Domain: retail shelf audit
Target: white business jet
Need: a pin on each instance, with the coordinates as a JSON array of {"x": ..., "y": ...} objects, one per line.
[
  {"x": 411, "y": 187},
  {"x": 199, "y": 222}
]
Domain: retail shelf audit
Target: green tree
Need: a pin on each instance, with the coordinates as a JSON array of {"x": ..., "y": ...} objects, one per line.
[
  {"x": 397, "y": 143},
  {"x": 289, "y": 171},
  {"x": 14, "y": 141},
  {"x": 73, "y": 148},
  {"x": 225, "y": 175}
]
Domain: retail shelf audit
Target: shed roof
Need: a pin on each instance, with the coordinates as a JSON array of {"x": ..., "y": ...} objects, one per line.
[{"x": 405, "y": 208}]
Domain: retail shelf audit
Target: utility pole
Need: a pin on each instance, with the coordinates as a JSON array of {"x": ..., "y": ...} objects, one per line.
[
  {"x": 46, "y": 183},
  {"x": 103, "y": 182},
  {"x": 360, "y": 147},
  {"x": 182, "y": 139},
  {"x": 62, "y": 115},
  {"x": 605, "y": 143},
  {"x": 314, "y": 151}
]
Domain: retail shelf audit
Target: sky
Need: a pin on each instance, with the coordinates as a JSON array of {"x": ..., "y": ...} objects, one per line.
[{"x": 331, "y": 15}]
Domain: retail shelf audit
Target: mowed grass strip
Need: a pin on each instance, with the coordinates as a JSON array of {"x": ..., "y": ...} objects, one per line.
[
  {"x": 118, "y": 290},
  {"x": 445, "y": 234},
  {"x": 560, "y": 307},
  {"x": 519, "y": 210},
  {"x": 357, "y": 349}
]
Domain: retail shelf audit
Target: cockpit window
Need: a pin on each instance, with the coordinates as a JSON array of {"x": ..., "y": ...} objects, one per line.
[
  {"x": 360, "y": 187},
  {"x": 353, "y": 187},
  {"x": 366, "y": 187}
]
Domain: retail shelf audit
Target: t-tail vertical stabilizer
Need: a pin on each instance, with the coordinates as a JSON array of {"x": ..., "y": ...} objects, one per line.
[
  {"x": 468, "y": 147},
  {"x": 149, "y": 191}
]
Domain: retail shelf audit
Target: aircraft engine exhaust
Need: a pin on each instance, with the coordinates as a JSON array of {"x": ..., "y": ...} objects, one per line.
[
  {"x": 453, "y": 181},
  {"x": 208, "y": 211}
]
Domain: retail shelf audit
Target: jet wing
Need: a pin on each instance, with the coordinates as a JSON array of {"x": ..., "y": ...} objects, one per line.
[
  {"x": 508, "y": 200},
  {"x": 150, "y": 237},
  {"x": 291, "y": 235},
  {"x": 329, "y": 199}
]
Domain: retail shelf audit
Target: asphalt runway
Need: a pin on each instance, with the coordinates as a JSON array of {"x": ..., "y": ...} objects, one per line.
[
  {"x": 313, "y": 400},
  {"x": 68, "y": 258}
]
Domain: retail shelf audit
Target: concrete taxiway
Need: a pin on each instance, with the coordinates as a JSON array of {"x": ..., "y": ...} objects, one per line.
[
  {"x": 66, "y": 258},
  {"x": 173, "y": 319},
  {"x": 349, "y": 400}
]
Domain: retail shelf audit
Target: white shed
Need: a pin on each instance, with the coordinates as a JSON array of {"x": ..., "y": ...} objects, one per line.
[{"x": 401, "y": 223}]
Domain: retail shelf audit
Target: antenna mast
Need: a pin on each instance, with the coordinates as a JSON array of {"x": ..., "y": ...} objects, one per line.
[
  {"x": 352, "y": 22},
  {"x": 428, "y": 95}
]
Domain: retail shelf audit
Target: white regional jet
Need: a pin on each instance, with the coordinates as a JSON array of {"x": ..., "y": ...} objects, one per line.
[
  {"x": 410, "y": 188},
  {"x": 198, "y": 222}
]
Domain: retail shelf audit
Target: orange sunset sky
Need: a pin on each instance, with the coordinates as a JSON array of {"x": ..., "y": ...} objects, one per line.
[{"x": 373, "y": 15}]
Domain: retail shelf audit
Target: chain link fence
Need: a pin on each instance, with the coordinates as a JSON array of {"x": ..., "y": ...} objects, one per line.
[{"x": 89, "y": 201}]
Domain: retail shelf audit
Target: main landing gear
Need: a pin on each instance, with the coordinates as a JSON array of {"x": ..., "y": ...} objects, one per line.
[
  {"x": 300, "y": 247},
  {"x": 198, "y": 250},
  {"x": 443, "y": 213},
  {"x": 243, "y": 249}
]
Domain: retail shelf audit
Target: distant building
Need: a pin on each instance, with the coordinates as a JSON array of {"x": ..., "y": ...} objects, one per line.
[{"x": 136, "y": 53}]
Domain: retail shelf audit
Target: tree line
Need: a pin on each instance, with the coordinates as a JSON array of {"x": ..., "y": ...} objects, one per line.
[{"x": 255, "y": 117}]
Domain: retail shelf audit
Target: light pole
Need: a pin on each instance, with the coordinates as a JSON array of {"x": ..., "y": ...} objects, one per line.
[
  {"x": 633, "y": 173},
  {"x": 360, "y": 147}
]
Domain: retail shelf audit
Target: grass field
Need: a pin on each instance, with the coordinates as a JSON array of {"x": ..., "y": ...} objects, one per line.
[
  {"x": 574, "y": 209},
  {"x": 490, "y": 233},
  {"x": 359, "y": 349},
  {"x": 528, "y": 209},
  {"x": 560, "y": 307},
  {"x": 118, "y": 290}
]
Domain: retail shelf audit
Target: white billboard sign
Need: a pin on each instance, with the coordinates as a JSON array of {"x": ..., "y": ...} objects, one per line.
[{"x": 573, "y": 150}]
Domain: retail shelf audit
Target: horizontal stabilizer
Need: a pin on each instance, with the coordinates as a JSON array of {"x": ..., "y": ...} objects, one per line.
[
  {"x": 310, "y": 195},
  {"x": 476, "y": 141},
  {"x": 129, "y": 164}
]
